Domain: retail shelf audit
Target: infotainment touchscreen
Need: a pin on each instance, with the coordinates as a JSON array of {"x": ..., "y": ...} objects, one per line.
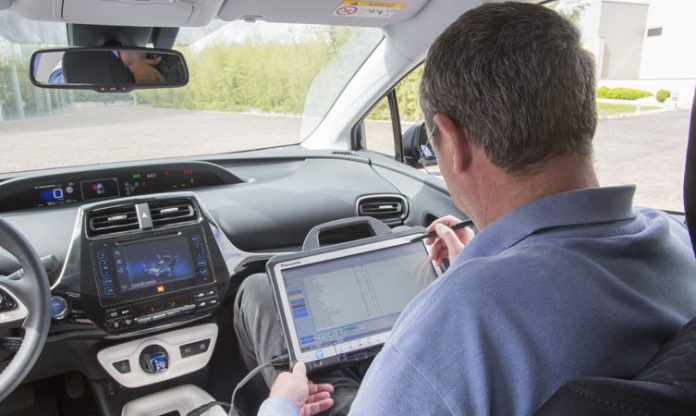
[
  {"x": 344, "y": 301},
  {"x": 138, "y": 268},
  {"x": 141, "y": 265}
]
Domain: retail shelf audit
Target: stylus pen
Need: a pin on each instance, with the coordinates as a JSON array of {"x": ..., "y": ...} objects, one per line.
[{"x": 455, "y": 227}]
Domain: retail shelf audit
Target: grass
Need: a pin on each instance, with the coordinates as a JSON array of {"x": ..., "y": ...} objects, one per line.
[{"x": 611, "y": 109}]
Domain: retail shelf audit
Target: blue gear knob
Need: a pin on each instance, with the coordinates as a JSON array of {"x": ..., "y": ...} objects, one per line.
[{"x": 154, "y": 359}]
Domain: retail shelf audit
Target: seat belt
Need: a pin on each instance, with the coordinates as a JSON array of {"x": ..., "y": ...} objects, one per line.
[{"x": 690, "y": 178}]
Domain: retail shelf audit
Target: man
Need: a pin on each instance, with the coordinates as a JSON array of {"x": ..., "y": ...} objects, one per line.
[
  {"x": 565, "y": 278},
  {"x": 108, "y": 67}
]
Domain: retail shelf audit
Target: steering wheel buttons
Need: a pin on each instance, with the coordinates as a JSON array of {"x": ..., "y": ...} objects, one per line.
[{"x": 6, "y": 302}]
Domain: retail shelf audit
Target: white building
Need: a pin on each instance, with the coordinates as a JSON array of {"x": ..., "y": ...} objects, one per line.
[{"x": 646, "y": 44}]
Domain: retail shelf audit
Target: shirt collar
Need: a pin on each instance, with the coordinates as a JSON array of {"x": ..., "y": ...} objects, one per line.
[{"x": 583, "y": 206}]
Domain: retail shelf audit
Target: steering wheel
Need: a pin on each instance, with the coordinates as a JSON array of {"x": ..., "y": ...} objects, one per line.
[{"x": 27, "y": 297}]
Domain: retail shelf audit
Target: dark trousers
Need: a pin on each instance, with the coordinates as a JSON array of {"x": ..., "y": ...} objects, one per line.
[{"x": 261, "y": 338}]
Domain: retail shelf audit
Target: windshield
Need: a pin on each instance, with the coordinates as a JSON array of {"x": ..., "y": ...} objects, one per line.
[{"x": 251, "y": 86}]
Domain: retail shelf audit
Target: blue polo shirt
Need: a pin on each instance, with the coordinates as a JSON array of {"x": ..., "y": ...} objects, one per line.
[{"x": 575, "y": 284}]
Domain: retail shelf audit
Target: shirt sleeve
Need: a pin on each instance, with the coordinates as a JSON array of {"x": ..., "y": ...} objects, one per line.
[
  {"x": 393, "y": 386},
  {"x": 278, "y": 406}
]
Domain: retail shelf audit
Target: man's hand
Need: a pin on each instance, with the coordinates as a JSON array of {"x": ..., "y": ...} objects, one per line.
[
  {"x": 310, "y": 398},
  {"x": 448, "y": 243},
  {"x": 144, "y": 71}
]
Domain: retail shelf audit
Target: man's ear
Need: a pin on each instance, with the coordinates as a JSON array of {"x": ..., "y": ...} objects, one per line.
[{"x": 456, "y": 140}]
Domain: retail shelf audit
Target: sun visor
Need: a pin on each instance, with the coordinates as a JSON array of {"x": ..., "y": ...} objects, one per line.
[
  {"x": 326, "y": 12},
  {"x": 162, "y": 13}
]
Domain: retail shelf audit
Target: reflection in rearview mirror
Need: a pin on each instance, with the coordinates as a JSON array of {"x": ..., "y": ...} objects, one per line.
[{"x": 114, "y": 69}]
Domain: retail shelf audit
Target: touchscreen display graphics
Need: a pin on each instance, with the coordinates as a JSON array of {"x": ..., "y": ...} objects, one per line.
[
  {"x": 352, "y": 297},
  {"x": 141, "y": 265}
]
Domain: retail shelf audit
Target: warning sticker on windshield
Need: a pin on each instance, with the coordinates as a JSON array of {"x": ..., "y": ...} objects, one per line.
[{"x": 369, "y": 9}]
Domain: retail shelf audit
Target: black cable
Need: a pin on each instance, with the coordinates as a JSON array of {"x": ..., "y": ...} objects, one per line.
[
  {"x": 204, "y": 408},
  {"x": 280, "y": 362}
]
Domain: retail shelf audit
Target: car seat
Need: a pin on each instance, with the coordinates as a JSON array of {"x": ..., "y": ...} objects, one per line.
[{"x": 667, "y": 385}]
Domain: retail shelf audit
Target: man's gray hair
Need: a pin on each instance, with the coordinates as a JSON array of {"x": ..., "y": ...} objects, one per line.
[{"x": 517, "y": 79}]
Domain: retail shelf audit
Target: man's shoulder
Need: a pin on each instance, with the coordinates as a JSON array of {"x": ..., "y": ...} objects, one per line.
[
  {"x": 494, "y": 275},
  {"x": 474, "y": 288}
]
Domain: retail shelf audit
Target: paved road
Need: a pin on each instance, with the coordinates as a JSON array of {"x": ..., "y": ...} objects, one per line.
[
  {"x": 648, "y": 150},
  {"x": 102, "y": 135}
]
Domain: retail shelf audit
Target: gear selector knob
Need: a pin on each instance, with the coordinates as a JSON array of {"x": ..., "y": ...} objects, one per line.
[{"x": 154, "y": 359}]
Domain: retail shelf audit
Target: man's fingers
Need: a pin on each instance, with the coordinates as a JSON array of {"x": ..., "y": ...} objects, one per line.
[
  {"x": 451, "y": 240},
  {"x": 300, "y": 369},
  {"x": 311, "y": 409},
  {"x": 446, "y": 234},
  {"x": 322, "y": 395},
  {"x": 466, "y": 235},
  {"x": 317, "y": 388},
  {"x": 448, "y": 220},
  {"x": 438, "y": 251}
]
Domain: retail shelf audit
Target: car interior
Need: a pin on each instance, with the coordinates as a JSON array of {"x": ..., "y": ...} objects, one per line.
[{"x": 76, "y": 340}]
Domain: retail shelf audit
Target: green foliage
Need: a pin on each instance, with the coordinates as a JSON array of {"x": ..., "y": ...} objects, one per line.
[
  {"x": 14, "y": 80},
  {"x": 622, "y": 93},
  {"x": 662, "y": 95},
  {"x": 229, "y": 78},
  {"x": 380, "y": 111},
  {"x": 245, "y": 77},
  {"x": 610, "y": 109},
  {"x": 407, "y": 96}
]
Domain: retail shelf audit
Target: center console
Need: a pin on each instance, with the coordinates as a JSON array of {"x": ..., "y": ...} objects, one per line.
[
  {"x": 175, "y": 401},
  {"x": 153, "y": 359},
  {"x": 145, "y": 262},
  {"x": 157, "y": 277}
]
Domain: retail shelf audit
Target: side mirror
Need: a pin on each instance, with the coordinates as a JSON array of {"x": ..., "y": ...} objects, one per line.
[
  {"x": 418, "y": 151},
  {"x": 108, "y": 69}
]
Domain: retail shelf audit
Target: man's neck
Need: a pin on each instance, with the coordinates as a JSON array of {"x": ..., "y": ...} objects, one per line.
[{"x": 499, "y": 193}]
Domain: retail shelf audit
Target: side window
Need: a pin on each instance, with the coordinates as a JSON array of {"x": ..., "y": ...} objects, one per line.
[
  {"x": 379, "y": 129},
  {"x": 407, "y": 94},
  {"x": 378, "y": 133},
  {"x": 645, "y": 83}
]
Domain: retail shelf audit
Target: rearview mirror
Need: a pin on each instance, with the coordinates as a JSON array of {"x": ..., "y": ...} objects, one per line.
[{"x": 108, "y": 69}]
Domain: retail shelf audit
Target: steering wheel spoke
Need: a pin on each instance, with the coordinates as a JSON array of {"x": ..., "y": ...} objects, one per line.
[{"x": 13, "y": 312}]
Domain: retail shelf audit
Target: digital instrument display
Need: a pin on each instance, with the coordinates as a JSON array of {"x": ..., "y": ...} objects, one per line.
[
  {"x": 99, "y": 188},
  {"x": 348, "y": 298},
  {"x": 50, "y": 195},
  {"x": 75, "y": 188},
  {"x": 142, "y": 265},
  {"x": 138, "y": 183}
]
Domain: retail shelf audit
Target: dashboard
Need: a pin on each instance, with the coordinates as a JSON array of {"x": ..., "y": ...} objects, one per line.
[
  {"x": 81, "y": 187},
  {"x": 151, "y": 271},
  {"x": 141, "y": 247}
]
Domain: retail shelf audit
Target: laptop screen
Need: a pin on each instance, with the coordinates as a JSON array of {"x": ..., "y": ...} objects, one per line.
[{"x": 339, "y": 300}]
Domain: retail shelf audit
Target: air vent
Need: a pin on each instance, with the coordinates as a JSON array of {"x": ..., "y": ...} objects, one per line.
[
  {"x": 112, "y": 220},
  {"x": 172, "y": 211},
  {"x": 390, "y": 209}
]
